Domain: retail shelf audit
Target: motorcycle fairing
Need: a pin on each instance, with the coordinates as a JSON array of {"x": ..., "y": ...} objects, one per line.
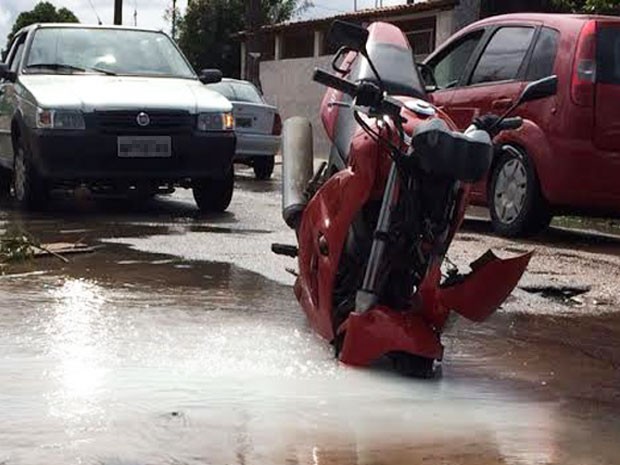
[
  {"x": 379, "y": 331},
  {"x": 327, "y": 217},
  {"x": 477, "y": 295}
]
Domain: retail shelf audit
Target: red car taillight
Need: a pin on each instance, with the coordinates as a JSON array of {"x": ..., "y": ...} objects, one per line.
[
  {"x": 584, "y": 70},
  {"x": 277, "y": 125}
]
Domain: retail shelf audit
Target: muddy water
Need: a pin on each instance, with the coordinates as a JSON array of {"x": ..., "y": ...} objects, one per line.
[{"x": 129, "y": 357}]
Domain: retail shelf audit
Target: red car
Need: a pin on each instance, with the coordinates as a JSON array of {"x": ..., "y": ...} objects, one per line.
[{"x": 566, "y": 157}]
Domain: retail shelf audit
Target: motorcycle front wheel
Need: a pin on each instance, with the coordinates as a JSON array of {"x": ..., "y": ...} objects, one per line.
[{"x": 413, "y": 366}]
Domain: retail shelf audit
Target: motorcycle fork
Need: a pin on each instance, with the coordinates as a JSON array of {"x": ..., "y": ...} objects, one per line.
[{"x": 368, "y": 296}]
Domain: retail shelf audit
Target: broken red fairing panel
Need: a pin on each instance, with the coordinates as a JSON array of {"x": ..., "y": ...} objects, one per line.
[
  {"x": 379, "y": 331},
  {"x": 373, "y": 334},
  {"x": 482, "y": 291}
]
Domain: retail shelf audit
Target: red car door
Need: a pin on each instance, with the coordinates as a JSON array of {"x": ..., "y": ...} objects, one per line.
[{"x": 495, "y": 83}]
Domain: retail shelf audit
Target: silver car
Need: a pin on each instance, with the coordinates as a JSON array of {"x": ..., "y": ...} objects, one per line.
[
  {"x": 258, "y": 125},
  {"x": 113, "y": 108}
]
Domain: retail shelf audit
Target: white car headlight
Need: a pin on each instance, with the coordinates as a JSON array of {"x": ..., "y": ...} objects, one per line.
[
  {"x": 215, "y": 122},
  {"x": 60, "y": 119}
]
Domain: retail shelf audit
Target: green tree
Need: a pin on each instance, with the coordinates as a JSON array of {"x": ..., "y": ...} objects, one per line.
[
  {"x": 43, "y": 12},
  {"x": 173, "y": 15},
  {"x": 206, "y": 29},
  {"x": 589, "y": 6}
]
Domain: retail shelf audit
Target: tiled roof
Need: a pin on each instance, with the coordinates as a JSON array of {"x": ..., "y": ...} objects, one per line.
[{"x": 362, "y": 15}]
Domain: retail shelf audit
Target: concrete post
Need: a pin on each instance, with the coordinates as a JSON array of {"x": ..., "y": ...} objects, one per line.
[
  {"x": 445, "y": 26},
  {"x": 278, "y": 47},
  {"x": 318, "y": 43},
  {"x": 244, "y": 51}
]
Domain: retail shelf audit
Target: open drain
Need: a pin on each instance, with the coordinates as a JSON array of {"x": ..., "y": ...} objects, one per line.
[{"x": 563, "y": 293}]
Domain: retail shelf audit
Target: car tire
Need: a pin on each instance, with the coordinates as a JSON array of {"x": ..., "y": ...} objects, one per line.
[
  {"x": 142, "y": 194},
  {"x": 516, "y": 203},
  {"x": 30, "y": 189},
  {"x": 214, "y": 195},
  {"x": 263, "y": 167}
]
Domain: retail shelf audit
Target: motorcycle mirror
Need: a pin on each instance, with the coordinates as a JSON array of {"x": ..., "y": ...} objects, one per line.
[
  {"x": 428, "y": 77},
  {"x": 210, "y": 76},
  {"x": 540, "y": 89},
  {"x": 352, "y": 36}
]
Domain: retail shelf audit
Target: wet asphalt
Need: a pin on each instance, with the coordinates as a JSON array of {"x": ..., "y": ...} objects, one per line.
[{"x": 179, "y": 341}]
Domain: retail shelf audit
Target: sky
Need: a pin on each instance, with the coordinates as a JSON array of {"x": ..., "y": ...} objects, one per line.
[{"x": 150, "y": 12}]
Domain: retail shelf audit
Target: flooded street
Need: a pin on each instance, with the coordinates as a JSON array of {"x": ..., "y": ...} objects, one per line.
[{"x": 179, "y": 341}]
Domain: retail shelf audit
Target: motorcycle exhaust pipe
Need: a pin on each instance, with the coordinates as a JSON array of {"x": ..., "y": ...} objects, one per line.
[{"x": 297, "y": 168}]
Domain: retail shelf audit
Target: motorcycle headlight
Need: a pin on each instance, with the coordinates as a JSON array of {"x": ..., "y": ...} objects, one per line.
[
  {"x": 215, "y": 122},
  {"x": 60, "y": 119}
]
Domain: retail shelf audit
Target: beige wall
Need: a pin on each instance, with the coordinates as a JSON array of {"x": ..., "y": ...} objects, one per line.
[{"x": 288, "y": 85}]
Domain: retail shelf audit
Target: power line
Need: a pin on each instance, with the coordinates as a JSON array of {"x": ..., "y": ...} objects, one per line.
[
  {"x": 323, "y": 7},
  {"x": 95, "y": 11}
]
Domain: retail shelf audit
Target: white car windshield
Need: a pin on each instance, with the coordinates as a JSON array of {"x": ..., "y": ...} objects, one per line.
[{"x": 105, "y": 51}]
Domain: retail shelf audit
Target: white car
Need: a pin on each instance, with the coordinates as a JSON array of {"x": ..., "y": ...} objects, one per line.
[
  {"x": 113, "y": 108},
  {"x": 258, "y": 125}
]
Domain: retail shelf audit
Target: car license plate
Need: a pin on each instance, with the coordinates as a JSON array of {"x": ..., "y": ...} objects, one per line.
[
  {"x": 244, "y": 122},
  {"x": 144, "y": 146}
]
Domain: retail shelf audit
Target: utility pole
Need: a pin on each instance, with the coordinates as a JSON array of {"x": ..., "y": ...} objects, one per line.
[
  {"x": 174, "y": 19},
  {"x": 354, "y": 5},
  {"x": 253, "y": 19},
  {"x": 118, "y": 12}
]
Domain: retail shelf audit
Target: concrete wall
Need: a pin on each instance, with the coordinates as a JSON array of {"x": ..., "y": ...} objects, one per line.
[
  {"x": 448, "y": 22},
  {"x": 288, "y": 85},
  {"x": 467, "y": 12}
]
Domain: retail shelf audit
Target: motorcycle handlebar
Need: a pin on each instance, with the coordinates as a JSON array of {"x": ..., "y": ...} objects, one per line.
[
  {"x": 330, "y": 80},
  {"x": 510, "y": 123},
  {"x": 366, "y": 94}
]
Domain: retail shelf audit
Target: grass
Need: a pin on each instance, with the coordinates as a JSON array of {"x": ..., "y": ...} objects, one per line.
[
  {"x": 606, "y": 225},
  {"x": 16, "y": 246}
]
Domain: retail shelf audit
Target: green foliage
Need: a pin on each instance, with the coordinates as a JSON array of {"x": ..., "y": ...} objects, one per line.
[
  {"x": 205, "y": 30},
  {"x": 16, "y": 246},
  {"x": 589, "y": 6},
  {"x": 43, "y": 12},
  {"x": 169, "y": 14}
]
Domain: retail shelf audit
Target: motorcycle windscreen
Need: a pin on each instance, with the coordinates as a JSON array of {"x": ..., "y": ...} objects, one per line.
[
  {"x": 390, "y": 51},
  {"x": 392, "y": 55}
]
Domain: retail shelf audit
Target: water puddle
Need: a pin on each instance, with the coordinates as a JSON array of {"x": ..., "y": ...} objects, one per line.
[{"x": 119, "y": 366}]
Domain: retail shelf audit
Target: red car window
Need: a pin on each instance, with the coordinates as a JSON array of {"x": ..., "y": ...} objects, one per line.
[
  {"x": 504, "y": 55},
  {"x": 608, "y": 55},
  {"x": 543, "y": 58},
  {"x": 448, "y": 69}
]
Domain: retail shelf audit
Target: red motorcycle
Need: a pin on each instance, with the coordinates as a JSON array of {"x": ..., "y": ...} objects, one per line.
[{"x": 375, "y": 222}]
